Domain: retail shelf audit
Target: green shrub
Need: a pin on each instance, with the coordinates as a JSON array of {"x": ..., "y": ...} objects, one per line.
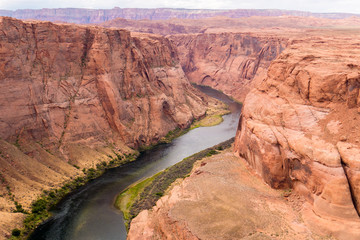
[
  {"x": 52, "y": 194},
  {"x": 91, "y": 173},
  {"x": 18, "y": 207},
  {"x": 212, "y": 152},
  {"x": 160, "y": 194},
  {"x": 16, "y": 232},
  {"x": 76, "y": 166},
  {"x": 39, "y": 206}
]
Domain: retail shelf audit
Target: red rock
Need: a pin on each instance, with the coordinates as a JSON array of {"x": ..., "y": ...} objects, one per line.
[
  {"x": 281, "y": 132},
  {"x": 86, "y": 83},
  {"x": 72, "y": 95},
  {"x": 230, "y": 54},
  {"x": 227, "y": 61}
]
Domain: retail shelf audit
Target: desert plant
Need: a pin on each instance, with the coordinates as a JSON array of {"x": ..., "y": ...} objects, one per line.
[{"x": 16, "y": 232}]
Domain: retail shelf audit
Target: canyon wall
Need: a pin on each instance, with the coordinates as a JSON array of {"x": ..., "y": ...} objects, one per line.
[
  {"x": 69, "y": 83},
  {"x": 230, "y": 62},
  {"x": 300, "y": 128},
  {"x": 71, "y": 96},
  {"x": 278, "y": 25},
  {"x": 80, "y": 15},
  {"x": 229, "y": 54}
]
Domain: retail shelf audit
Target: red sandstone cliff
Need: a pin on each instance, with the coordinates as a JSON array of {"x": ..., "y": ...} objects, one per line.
[
  {"x": 70, "y": 83},
  {"x": 231, "y": 54},
  {"x": 73, "y": 95},
  {"x": 299, "y": 128},
  {"x": 230, "y": 62}
]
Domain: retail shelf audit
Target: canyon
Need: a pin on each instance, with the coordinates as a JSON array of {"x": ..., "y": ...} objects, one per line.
[
  {"x": 298, "y": 132},
  {"x": 298, "y": 129},
  {"x": 233, "y": 55},
  {"x": 85, "y": 16},
  {"x": 230, "y": 62},
  {"x": 73, "y": 95}
]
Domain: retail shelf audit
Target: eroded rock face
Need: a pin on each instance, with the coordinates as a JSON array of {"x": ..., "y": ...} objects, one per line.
[
  {"x": 230, "y": 62},
  {"x": 71, "y": 83},
  {"x": 299, "y": 129},
  {"x": 70, "y": 96}
]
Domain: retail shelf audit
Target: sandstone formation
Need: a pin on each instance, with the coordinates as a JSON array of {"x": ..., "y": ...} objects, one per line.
[
  {"x": 71, "y": 95},
  {"x": 231, "y": 54},
  {"x": 222, "y": 24},
  {"x": 294, "y": 131},
  {"x": 300, "y": 128},
  {"x": 82, "y": 84},
  {"x": 79, "y": 15},
  {"x": 229, "y": 62},
  {"x": 221, "y": 200}
]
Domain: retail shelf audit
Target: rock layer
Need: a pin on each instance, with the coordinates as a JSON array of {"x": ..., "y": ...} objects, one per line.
[
  {"x": 71, "y": 96},
  {"x": 282, "y": 25},
  {"x": 299, "y": 128},
  {"x": 230, "y": 62},
  {"x": 80, "y": 15},
  {"x": 72, "y": 83}
]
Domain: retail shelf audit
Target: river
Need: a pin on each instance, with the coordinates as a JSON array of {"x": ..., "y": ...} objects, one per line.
[{"x": 89, "y": 213}]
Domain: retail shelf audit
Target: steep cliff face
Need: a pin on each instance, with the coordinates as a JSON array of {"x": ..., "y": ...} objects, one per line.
[
  {"x": 69, "y": 83},
  {"x": 300, "y": 129},
  {"x": 80, "y": 15},
  {"x": 163, "y": 27},
  {"x": 230, "y": 62},
  {"x": 71, "y": 96}
]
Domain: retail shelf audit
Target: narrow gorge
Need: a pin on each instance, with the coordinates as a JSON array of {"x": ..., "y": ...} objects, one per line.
[
  {"x": 73, "y": 97},
  {"x": 230, "y": 62}
]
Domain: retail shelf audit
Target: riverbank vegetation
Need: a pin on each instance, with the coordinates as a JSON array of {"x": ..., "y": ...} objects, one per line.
[
  {"x": 41, "y": 208},
  {"x": 212, "y": 117},
  {"x": 144, "y": 194}
]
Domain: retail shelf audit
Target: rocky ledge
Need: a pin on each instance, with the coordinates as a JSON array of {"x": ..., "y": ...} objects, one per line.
[
  {"x": 221, "y": 200},
  {"x": 300, "y": 129}
]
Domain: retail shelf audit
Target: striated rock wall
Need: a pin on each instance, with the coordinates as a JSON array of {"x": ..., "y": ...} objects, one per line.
[
  {"x": 230, "y": 62},
  {"x": 70, "y": 83},
  {"x": 300, "y": 128},
  {"x": 71, "y": 96}
]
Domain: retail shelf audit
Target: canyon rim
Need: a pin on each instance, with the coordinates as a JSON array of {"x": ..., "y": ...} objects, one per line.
[{"x": 88, "y": 88}]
